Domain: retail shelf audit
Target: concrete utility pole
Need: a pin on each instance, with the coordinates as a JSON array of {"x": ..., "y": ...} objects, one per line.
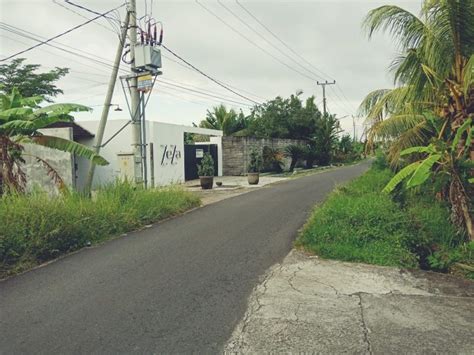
[
  {"x": 107, "y": 102},
  {"x": 135, "y": 97},
  {"x": 324, "y": 92},
  {"x": 353, "y": 128}
]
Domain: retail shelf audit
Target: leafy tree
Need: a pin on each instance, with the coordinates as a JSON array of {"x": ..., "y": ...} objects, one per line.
[
  {"x": 428, "y": 115},
  {"x": 228, "y": 121},
  {"x": 325, "y": 138},
  {"x": 285, "y": 118},
  {"x": 28, "y": 82},
  {"x": 20, "y": 121}
]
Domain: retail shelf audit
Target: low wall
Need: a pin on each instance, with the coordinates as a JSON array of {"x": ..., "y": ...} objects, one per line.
[{"x": 236, "y": 151}]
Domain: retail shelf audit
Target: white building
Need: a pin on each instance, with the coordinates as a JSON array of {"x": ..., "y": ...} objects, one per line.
[{"x": 174, "y": 162}]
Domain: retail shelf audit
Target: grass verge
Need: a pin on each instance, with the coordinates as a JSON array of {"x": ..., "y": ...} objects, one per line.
[
  {"x": 36, "y": 228},
  {"x": 359, "y": 223}
]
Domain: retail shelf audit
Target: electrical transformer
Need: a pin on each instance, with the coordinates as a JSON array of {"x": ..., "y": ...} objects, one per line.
[{"x": 147, "y": 57}]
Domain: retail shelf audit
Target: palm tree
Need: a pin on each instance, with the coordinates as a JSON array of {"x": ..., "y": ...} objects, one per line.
[
  {"x": 20, "y": 122},
  {"x": 430, "y": 111},
  {"x": 222, "y": 119}
]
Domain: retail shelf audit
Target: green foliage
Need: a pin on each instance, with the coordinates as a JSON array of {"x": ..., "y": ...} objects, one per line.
[
  {"x": 255, "y": 161},
  {"x": 29, "y": 83},
  {"x": 285, "y": 118},
  {"x": 359, "y": 223},
  {"x": 272, "y": 159},
  {"x": 206, "y": 167},
  {"x": 325, "y": 138},
  {"x": 432, "y": 105},
  {"x": 20, "y": 121},
  {"x": 228, "y": 121},
  {"x": 37, "y": 227},
  {"x": 295, "y": 152}
]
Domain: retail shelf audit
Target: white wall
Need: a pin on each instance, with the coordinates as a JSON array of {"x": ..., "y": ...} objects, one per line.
[{"x": 168, "y": 140}]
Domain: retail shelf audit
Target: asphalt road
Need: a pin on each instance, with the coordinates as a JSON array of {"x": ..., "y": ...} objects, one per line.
[{"x": 180, "y": 286}]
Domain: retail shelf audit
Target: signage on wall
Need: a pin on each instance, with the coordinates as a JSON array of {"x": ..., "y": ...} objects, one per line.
[
  {"x": 170, "y": 155},
  {"x": 199, "y": 153}
]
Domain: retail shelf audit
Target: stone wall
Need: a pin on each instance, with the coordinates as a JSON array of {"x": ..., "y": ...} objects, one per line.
[{"x": 236, "y": 151}]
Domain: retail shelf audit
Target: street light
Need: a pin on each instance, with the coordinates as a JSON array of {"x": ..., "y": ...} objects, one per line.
[{"x": 118, "y": 107}]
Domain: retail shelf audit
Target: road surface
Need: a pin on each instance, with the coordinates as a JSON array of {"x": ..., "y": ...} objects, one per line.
[{"x": 179, "y": 286}]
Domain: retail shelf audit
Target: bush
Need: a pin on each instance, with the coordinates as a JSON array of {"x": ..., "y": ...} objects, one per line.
[
  {"x": 272, "y": 159},
  {"x": 255, "y": 163},
  {"x": 206, "y": 168},
  {"x": 357, "y": 223},
  {"x": 360, "y": 223},
  {"x": 37, "y": 228}
]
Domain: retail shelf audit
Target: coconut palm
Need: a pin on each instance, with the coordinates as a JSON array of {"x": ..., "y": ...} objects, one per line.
[
  {"x": 222, "y": 119},
  {"x": 20, "y": 122},
  {"x": 430, "y": 110}
]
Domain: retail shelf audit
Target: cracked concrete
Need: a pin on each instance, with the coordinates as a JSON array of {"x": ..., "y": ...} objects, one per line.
[{"x": 306, "y": 304}]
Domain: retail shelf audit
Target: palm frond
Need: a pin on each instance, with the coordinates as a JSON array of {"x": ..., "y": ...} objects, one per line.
[
  {"x": 402, "y": 24},
  {"x": 68, "y": 146}
]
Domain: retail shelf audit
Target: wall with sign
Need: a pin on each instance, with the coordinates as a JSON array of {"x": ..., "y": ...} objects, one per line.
[{"x": 168, "y": 141}]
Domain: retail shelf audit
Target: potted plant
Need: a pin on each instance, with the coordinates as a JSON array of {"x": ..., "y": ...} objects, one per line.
[
  {"x": 206, "y": 172},
  {"x": 255, "y": 165}
]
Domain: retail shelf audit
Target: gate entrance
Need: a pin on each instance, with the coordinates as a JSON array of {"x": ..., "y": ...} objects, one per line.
[{"x": 193, "y": 154}]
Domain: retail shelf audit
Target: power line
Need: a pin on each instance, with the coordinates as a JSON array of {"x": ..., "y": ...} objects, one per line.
[
  {"x": 57, "y": 36},
  {"x": 252, "y": 42},
  {"x": 281, "y": 41},
  {"x": 267, "y": 41},
  {"x": 115, "y": 30},
  {"x": 209, "y": 77},
  {"x": 103, "y": 63},
  {"x": 226, "y": 86},
  {"x": 290, "y": 48}
]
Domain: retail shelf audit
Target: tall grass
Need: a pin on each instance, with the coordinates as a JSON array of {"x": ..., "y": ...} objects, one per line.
[
  {"x": 360, "y": 223},
  {"x": 35, "y": 228}
]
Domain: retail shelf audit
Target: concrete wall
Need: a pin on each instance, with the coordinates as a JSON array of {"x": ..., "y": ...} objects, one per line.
[
  {"x": 168, "y": 141},
  {"x": 236, "y": 151},
  {"x": 62, "y": 163}
]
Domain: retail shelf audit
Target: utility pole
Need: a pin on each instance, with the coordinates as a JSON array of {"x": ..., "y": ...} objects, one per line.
[
  {"x": 353, "y": 128},
  {"x": 324, "y": 92},
  {"x": 135, "y": 97},
  {"x": 107, "y": 103}
]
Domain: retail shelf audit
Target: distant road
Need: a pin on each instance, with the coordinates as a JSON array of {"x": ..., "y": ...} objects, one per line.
[{"x": 179, "y": 286}]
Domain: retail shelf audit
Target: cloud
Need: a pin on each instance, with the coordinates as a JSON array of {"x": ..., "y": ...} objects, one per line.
[{"x": 326, "y": 33}]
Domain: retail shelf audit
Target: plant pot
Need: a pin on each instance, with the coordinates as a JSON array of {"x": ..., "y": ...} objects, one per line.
[
  {"x": 206, "y": 182},
  {"x": 253, "y": 178}
]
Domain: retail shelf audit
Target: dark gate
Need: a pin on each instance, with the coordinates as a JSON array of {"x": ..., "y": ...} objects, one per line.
[{"x": 193, "y": 154}]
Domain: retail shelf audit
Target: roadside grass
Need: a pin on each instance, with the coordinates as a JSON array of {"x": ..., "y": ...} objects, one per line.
[
  {"x": 36, "y": 228},
  {"x": 359, "y": 223}
]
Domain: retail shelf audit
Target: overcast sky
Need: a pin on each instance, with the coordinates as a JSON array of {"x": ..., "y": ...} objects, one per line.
[{"x": 326, "y": 33}]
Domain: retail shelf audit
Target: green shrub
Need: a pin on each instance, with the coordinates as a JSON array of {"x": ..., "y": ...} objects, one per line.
[
  {"x": 256, "y": 161},
  {"x": 360, "y": 223},
  {"x": 206, "y": 167},
  {"x": 37, "y": 228}
]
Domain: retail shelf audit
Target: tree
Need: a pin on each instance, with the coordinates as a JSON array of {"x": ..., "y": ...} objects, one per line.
[
  {"x": 285, "y": 118},
  {"x": 430, "y": 110},
  {"x": 222, "y": 119},
  {"x": 28, "y": 82},
  {"x": 325, "y": 138},
  {"x": 20, "y": 121}
]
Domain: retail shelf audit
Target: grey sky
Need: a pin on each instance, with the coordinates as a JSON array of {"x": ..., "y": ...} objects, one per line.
[{"x": 326, "y": 33}]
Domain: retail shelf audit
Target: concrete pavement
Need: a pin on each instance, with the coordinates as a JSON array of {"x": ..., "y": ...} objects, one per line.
[{"x": 309, "y": 305}]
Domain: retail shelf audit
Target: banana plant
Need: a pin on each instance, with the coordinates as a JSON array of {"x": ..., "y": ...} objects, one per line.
[{"x": 20, "y": 122}]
